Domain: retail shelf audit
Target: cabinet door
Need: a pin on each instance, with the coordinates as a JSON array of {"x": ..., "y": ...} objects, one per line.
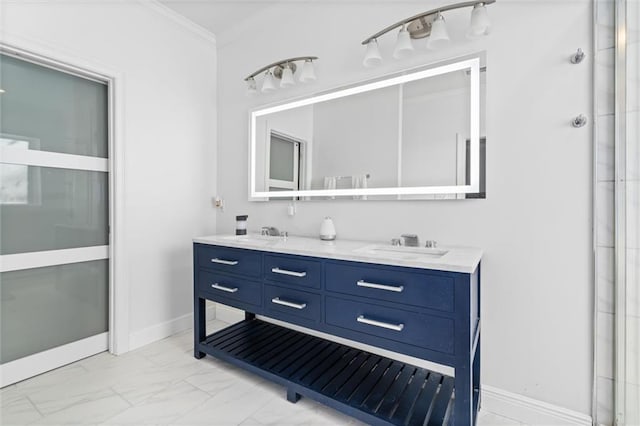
[
  {"x": 391, "y": 284},
  {"x": 292, "y": 305},
  {"x": 230, "y": 260},
  {"x": 229, "y": 289},
  {"x": 411, "y": 328},
  {"x": 296, "y": 271}
]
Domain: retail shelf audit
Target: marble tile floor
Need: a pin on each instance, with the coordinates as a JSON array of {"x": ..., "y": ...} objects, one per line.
[{"x": 163, "y": 384}]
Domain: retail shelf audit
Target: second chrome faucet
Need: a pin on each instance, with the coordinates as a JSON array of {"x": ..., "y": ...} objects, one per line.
[{"x": 411, "y": 240}]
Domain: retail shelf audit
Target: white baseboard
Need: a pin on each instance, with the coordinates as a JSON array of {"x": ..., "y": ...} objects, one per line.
[
  {"x": 528, "y": 410},
  {"x": 143, "y": 337}
]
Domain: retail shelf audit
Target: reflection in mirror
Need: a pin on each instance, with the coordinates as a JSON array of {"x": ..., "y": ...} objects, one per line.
[{"x": 412, "y": 136}]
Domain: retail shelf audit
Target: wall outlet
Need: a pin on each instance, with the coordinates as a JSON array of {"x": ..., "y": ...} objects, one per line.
[{"x": 291, "y": 209}]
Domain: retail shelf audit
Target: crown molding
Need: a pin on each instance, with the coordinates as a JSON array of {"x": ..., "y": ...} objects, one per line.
[{"x": 179, "y": 19}]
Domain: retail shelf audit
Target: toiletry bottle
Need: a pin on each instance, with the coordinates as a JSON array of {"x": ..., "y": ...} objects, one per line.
[
  {"x": 327, "y": 230},
  {"x": 241, "y": 225}
]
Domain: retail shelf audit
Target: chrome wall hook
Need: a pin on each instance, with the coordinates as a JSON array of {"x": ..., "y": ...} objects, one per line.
[
  {"x": 579, "y": 121},
  {"x": 577, "y": 57}
]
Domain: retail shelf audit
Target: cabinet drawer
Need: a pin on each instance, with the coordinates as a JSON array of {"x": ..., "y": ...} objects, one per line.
[
  {"x": 226, "y": 288},
  {"x": 391, "y": 284},
  {"x": 230, "y": 260},
  {"x": 293, "y": 270},
  {"x": 288, "y": 304},
  {"x": 415, "y": 329}
]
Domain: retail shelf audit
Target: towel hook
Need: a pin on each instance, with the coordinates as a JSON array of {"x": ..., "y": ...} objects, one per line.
[
  {"x": 577, "y": 57},
  {"x": 579, "y": 121}
]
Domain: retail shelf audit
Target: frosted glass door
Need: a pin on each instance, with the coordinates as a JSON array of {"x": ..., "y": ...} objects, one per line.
[{"x": 54, "y": 217}]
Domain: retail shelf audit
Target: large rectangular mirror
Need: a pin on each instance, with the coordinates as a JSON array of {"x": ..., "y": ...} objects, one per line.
[{"x": 415, "y": 135}]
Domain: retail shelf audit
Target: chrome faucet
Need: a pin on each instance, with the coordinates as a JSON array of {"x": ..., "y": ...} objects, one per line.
[
  {"x": 410, "y": 240},
  {"x": 270, "y": 230}
]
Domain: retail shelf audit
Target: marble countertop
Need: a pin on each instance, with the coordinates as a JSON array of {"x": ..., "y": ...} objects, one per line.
[{"x": 454, "y": 259}]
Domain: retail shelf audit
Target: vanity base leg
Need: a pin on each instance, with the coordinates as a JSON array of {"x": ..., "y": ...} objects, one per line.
[
  {"x": 292, "y": 396},
  {"x": 199, "y": 355},
  {"x": 249, "y": 315}
]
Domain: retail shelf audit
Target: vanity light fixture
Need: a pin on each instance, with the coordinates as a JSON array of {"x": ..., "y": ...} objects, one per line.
[
  {"x": 430, "y": 24},
  {"x": 439, "y": 35},
  {"x": 284, "y": 71}
]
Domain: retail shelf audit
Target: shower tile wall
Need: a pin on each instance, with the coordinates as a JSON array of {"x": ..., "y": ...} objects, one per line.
[
  {"x": 604, "y": 215},
  {"x": 632, "y": 415},
  {"x": 604, "y": 221}
]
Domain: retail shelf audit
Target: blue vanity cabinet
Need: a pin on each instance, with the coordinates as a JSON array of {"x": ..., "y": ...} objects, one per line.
[{"x": 428, "y": 314}]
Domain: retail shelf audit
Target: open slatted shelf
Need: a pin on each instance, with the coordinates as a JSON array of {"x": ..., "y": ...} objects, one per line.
[{"x": 370, "y": 387}]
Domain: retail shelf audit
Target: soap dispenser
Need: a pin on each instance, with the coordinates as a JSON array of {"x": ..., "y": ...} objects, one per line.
[{"x": 327, "y": 230}]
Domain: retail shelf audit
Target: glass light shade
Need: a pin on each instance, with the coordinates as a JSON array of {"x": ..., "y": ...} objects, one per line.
[
  {"x": 439, "y": 36},
  {"x": 308, "y": 72},
  {"x": 268, "y": 84},
  {"x": 372, "y": 55},
  {"x": 251, "y": 87},
  {"x": 287, "y": 77},
  {"x": 480, "y": 24},
  {"x": 403, "y": 44}
]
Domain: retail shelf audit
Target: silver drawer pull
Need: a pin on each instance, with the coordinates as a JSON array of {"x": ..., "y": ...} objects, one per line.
[
  {"x": 223, "y": 288},
  {"x": 277, "y": 301},
  {"x": 224, "y": 262},
  {"x": 397, "y": 289},
  {"x": 396, "y": 327},
  {"x": 285, "y": 272}
]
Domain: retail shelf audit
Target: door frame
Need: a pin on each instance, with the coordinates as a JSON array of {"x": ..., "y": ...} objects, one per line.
[
  {"x": 300, "y": 169},
  {"x": 118, "y": 333}
]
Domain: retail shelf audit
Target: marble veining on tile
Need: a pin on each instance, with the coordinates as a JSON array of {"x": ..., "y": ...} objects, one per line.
[
  {"x": 163, "y": 384},
  {"x": 604, "y": 78},
  {"x": 605, "y": 345},
  {"x": 605, "y": 151},
  {"x": 605, "y": 20},
  {"x": 633, "y": 145},
  {"x": 605, "y": 400},
  {"x": 605, "y": 278},
  {"x": 604, "y": 210},
  {"x": 17, "y": 409}
]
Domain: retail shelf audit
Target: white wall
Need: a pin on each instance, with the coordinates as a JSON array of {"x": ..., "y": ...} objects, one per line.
[
  {"x": 431, "y": 125},
  {"x": 535, "y": 225},
  {"x": 168, "y": 78},
  {"x": 340, "y": 128}
]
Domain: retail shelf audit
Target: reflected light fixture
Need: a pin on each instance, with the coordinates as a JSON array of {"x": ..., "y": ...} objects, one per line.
[
  {"x": 284, "y": 71},
  {"x": 429, "y": 24}
]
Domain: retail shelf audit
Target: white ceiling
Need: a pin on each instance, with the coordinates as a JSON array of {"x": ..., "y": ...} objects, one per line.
[
  {"x": 218, "y": 16},
  {"x": 221, "y": 16}
]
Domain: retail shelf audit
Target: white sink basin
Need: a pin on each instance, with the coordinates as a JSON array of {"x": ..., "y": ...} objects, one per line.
[
  {"x": 261, "y": 240},
  {"x": 404, "y": 252}
]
